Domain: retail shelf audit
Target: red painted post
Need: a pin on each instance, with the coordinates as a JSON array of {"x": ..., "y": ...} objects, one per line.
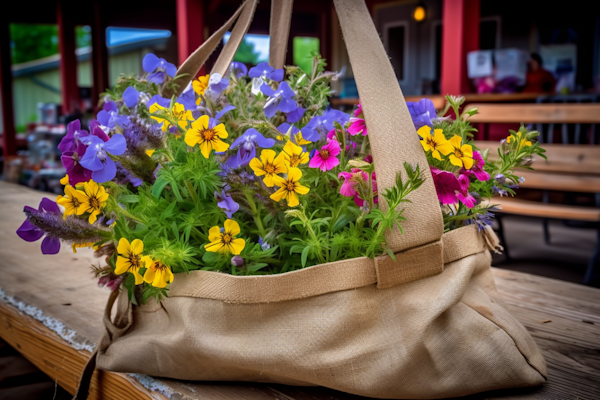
[
  {"x": 99, "y": 55},
  {"x": 68, "y": 59},
  {"x": 190, "y": 28},
  {"x": 460, "y": 35},
  {"x": 9, "y": 142}
]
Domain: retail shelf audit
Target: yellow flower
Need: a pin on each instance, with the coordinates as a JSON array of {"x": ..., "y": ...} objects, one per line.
[
  {"x": 523, "y": 142},
  {"x": 200, "y": 85},
  {"x": 294, "y": 155},
  {"x": 95, "y": 199},
  {"x": 178, "y": 113},
  {"x": 209, "y": 139},
  {"x": 76, "y": 246},
  {"x": 65, "y": 180},
  {"x": 461, "y": 155},
  {"x": 225, "y": 242},
  {"x": 74, "y": 201},
  {"x": 289, "y": 188},
  {"x": 437, "y": 143},
  {"x": 150, "y": 152},
  {"x": 157, "y": 274},
  {"x": 268, "y": 165},
  {"x": 130, "y": 258},
  {"x": 297, "y": 137}
]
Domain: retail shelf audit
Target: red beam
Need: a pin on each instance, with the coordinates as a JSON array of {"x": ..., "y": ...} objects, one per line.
[
  {"x": 68, "y": 59},
  {"x": 190, "y": 28},
  {"x": 460, "y": 35},
  {"x": 9, "y": 143},
  {"x": 99, "y": 55}
]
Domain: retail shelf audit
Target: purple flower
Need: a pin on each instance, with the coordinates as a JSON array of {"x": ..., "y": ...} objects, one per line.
[
  {"x": 131, "y": 96},
  {"x": 226, "y": 203},
  {"x": 30, "y": 233},
  {"x": 216, "y": 85},
  {"x": 224, "y": 111},
  {"x": 264, "y": 245},
  {"x": 96, "y": 157},
  {"x": 296, "y": 115},
  {"x": 71, "y": 140},
  {"x": 264, "y": 70},
  {"x": 500, "y": 178},
  {"x": 482, "y": 220},
  {"x": 238, "y": 69},
  {"x": 422, "y": 112},
  {"x": 109, "y": 117},
  {"x": 237, "y": 261},
  {"x": 75, "y": 170},
  {"x": 157, "y": 98},
  {"x": 158, "y": 68},
  {"x": 320, "y": 125},
  {"x": 247, "y": 147},
  {"x": 124, "y": 176},
  {"x": 497, "y": 190},
  {"x": 281, "y": 99},
  {"x": 187, "y": 100}
]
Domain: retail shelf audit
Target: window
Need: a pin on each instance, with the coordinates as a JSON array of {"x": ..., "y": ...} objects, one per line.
[
  {"x": 395, "y": 39},
  {"x": 304, "y": 48}
]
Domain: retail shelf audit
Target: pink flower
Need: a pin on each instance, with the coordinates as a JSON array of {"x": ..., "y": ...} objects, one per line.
[
  {"x": 358, "y": 112},
  {"x": 331, "y": 135},
  {"x": 326, "y": 158},
  {"x": 369, "y": 159},
  {"x": 463, "y": 194},
  {"x": 446, "y": 186},
  {"x": 356, "y": 178},
  {"x": 477, "y": 167},
  {"x": 357, "y": 125}
]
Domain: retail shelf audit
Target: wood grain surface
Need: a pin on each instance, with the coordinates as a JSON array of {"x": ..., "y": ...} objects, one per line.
[
  {"x": 536, "y": 113},
  {"x": 564, "y": 319}
]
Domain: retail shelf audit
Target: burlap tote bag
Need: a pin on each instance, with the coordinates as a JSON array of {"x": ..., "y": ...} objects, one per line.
[{"x": 428, "y": 325}]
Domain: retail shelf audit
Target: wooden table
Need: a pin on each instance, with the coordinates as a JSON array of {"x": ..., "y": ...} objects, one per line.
[{"x": 50, "y": 311}]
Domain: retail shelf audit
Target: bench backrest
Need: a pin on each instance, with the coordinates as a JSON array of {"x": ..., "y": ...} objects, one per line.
[{"x": 537, "y": 113}]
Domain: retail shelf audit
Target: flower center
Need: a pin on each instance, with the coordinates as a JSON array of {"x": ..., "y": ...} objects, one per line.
[
  {"x": 290, "y": 186},
  {"x": 431, "y": 142},
  {"x": 227, "y": 238},
  {"x": 269, "y": 168},
  {"x": 208, "y": 134},
  {"x": 458, "y": 152},
  {"x": 135, "y": 261},
  {"x": 94, "y": 203},
  {"x": 158, "y": 266},
  {"x": 75, "y": 201},
  {"x": 324, "y": 154},
  {"x": 294, "y": 160},
  {"x": 178, "y": 114}
]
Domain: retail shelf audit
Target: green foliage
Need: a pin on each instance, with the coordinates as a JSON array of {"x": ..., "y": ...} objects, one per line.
[
  {"x": 247, "y": 54},
  {"x": 304, "y": 50},
  {"x": 35, "y": 41}
]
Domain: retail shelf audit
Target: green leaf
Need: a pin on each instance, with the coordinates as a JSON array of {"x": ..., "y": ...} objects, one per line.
[
  {"x": 159, "y": 185},
  {"x": 132, "y": 198},
  {"x": 304, "y": 256}
]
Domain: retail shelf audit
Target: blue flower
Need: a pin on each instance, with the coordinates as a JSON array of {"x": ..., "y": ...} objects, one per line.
[
  {"x": 281, "y": 99},
  {"x": 109, "y": 116},
  {"x": 158, "y": 68},
  {"x": 224, "y": 111},
  {"x": 264, "y": 70},
  {"x": 216, "y": 85},
  {"x": 96, "y": 157},
  {"x": 247, "y": 147},
  {"x": 238, "y": 69},
  {"x": 295, "y": 115},
  {"x": 264, "y": 245},
  {"x": 320, "y": 125},
  {"x": 157, "y": 98},
  {"x": 226, "y": 203},
  {"x": 188, "y": 100},
  {"x": 131, "y": 96},
  {"x": 422, "y": 112}
]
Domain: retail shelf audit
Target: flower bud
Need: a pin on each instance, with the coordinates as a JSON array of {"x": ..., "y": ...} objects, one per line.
[
  {"x": 526, "y": 161},
  {"x": 237, "y": 261},
  {"x": 504, "y": 146},
  {"x": 500, "y": 178}
]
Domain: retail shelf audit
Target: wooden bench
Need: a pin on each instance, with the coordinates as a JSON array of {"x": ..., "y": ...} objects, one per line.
[
  {"x": 540, "y": 115},
  {"x": 438, "y": 101},
  {"x": 570, "y": 168}
]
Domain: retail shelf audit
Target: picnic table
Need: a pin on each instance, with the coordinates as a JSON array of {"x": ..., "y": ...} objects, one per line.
[{"x": 51, "y": 312}]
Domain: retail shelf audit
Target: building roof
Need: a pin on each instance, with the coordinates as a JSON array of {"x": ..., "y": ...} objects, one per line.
[{"x": 118, "y": 40}]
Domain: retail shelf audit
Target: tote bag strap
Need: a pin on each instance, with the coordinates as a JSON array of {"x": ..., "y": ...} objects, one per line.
[
  {"x": 196, "y": 60},
  {"x": 279, "y": 30}
]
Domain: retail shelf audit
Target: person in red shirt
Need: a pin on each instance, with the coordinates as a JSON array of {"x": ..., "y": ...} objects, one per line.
[{"x": 538, "y": 79}]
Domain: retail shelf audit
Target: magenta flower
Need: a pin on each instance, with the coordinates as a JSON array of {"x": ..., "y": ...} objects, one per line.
[
  {"x": 446, "y": 186},
  {"x": 72, "y": 139},
  {"x": 477, "y": 168},
  {"x": 354, "y": 179},
  {"x": 358, "y": 113},
  {"x": 357, "y": 126},
  {"x": 463, "y": 194},
  {"x": 326, "y": 158},
  {"x": 30, "y": 233}
]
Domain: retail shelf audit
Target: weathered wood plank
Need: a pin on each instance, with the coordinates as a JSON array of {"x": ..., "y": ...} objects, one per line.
[
  {"x": 570, "y": 345},
  {"x": 536, "y": 113},
  {"x": 530, "y": 208}
]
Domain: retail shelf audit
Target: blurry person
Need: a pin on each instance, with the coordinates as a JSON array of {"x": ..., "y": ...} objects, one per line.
[{"x": 538, "y": 79}]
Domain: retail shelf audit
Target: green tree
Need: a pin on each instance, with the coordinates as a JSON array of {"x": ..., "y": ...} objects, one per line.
[
  {"x": 246, "y": 53},
  {"x": 33, "y": 41},
  {"x": 304, "y": 48}
]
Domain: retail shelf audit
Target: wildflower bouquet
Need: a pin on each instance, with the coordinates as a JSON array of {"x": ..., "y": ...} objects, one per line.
[{"x": 251, "y": 173}]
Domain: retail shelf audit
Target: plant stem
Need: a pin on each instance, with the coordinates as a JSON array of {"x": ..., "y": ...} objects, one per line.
[
  {"x": 190, "y": 188},
  {"x": 255, "y": 213}
]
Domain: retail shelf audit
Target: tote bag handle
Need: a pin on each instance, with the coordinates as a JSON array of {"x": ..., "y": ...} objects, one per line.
[{"x": 392, "y": 135}]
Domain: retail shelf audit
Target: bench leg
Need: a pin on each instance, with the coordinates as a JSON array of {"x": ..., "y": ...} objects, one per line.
[
  {"x": 502, "y": 238},
  {"x": 590, "y": 274},
  {"x": 546, "y": 231}
]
